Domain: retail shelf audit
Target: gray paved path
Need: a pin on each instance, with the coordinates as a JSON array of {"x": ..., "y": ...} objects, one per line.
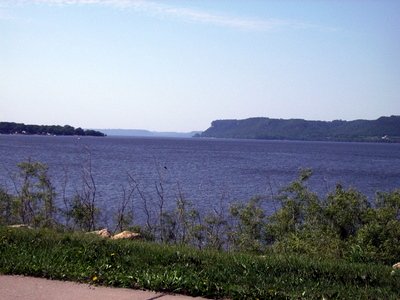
[{"x": 30, "y": 288}]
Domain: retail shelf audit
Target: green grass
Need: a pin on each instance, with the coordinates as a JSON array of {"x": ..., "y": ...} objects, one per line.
[{"x": 212, "y": 274}]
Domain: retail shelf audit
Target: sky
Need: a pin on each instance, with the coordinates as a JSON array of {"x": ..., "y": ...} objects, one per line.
[{"x": 179, "y": 65}]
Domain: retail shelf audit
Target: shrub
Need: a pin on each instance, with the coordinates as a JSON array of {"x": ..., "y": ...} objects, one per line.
[
  {"x": 379, "y": 238},
  {"x": 312, "y": 242},
  {"x": 7, "y": 209},
  {"x": 299, "y": 207},
  {"x": 346, "y": 211},
  {"x": 247, "y": 232},
  {"x": 34, "y": 204}
]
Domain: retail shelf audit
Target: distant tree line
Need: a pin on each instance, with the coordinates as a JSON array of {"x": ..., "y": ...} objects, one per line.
[
  {"x": 384, "y": 129},
  {"x": 20, "y": 128}
]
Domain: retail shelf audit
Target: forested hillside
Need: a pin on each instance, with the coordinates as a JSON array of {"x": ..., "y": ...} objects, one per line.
[{"x": 384, "y": 129}]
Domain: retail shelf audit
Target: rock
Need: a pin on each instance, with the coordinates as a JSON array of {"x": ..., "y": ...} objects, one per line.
[
  {"x": 128, "y": 235},
  {"x": 102, "y": 232},
  {"x": 20, "y": 226},
  {"x": 396, "y": 266}
]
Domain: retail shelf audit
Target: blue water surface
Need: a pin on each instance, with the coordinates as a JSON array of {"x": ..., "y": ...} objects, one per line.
[{"x": 210, "y": 173}]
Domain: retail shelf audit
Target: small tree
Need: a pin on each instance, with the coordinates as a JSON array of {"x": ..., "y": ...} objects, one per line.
[
  {"x": 83, "y": 213},
  {"x": 124, "y": 215},
  {"x": 183, "y": 224},
  {"x": 35, "y": 201},
  {"x": 190, "y": 230},
  {"x": 83, "y": 210},
  {"x": 303, "y": 224},
  {"x": 299, "y": 207},
  {"x": 346, "y": 211},
  {"x": 7, "y": 201},
  {"x": 216, "y": 229}
]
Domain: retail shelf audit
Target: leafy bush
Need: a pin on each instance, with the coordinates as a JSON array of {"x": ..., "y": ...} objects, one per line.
[
  {"x": 346, "y": 211},
  {"x": 379, "y": 238},
  {"x": 344, "y": 225},
  {"x": 247, "y": 232},
  {"x": 299, "y": 207},
  {"x": 313, "y": 242}
]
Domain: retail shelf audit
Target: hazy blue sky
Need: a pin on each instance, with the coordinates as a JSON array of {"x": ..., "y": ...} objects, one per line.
[{"x": 178, "y": 65}]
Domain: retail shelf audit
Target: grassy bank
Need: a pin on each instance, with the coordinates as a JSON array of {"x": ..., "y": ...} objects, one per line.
[{"x": 138, "y": 264}]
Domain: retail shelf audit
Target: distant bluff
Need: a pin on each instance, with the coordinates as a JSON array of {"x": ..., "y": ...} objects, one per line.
[{"x": 384, "y": 129}]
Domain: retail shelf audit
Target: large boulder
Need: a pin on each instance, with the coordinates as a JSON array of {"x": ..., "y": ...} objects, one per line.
[
  {"x": 102, "y": 232},
  {"x": 127, "y": 235}
]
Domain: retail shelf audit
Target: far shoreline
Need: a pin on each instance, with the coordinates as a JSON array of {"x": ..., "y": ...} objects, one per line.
[{"x": 211, "y": 139}]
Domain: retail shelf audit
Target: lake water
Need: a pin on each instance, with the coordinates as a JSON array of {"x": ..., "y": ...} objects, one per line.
[{"x": 208, "y": 172}]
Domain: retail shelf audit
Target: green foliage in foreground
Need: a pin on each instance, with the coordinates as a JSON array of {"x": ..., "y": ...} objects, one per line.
[
  {"x": 341, "y": 225},
  {"x": 138, "y": 264}
]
